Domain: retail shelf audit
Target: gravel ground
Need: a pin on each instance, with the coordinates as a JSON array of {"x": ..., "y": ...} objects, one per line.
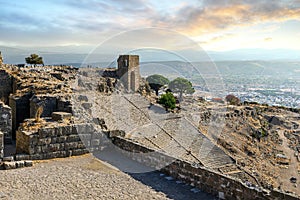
[{"x": 85, "y": 177}]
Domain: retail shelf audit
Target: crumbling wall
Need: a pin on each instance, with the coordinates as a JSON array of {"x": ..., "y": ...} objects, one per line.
[
  {"x": 56, "y": 142},
  {"x": 209, "y": 181},
  {"x": 1, "y": 145},
  {"x": 49, "y": 104},
  {"x": 20, "y": 107},
  {"x": 6, "y": 86},
  {"x": 64, "y": 105},
  {"x": 6, "y": 123}
]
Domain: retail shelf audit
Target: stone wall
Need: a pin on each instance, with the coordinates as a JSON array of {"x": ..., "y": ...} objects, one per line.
[
  {"x": 5, "y": 85},
  {"x": 50, "y": 104},
  {"x": 47, "y": 102},
  {"x": 20, "y": 110},
  {"x": 6, "y": 123},
  {"x": 209, "y": 181},
  {"x": 57, "y": 141},
  {"x": 64, "y": 105},
  {"x": 1, "y": 145}
]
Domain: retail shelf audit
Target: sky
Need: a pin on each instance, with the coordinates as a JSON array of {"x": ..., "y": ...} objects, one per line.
[{"x": 217, "y": 25}]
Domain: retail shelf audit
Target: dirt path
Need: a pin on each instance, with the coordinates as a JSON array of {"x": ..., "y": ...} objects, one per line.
[{"x": 291, "y": 170}]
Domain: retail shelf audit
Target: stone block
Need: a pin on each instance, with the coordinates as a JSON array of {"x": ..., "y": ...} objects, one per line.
[
  {"x": 61, "y": 139},
  {"x": 71, "y": 145},
  {"x": 59, "y": 116},
  {"x": 83, "y": 98},
  {"x": 58, "y": 131},
  {"x": 9, "y": 165},
  {"x": 73, "y": 138},
  {"x": 86, "y": 105},
  {"x": 116, "y": 133},
  {"x": 77, "y": 152},
  {"x": 66, "y": 130},
  {"x": 8, "y": 158},
  {"x": 36, "y": 157},
  {"x": 20, "y": 164},
  {"x": 22, "y": 157},
  {"x": 28, "y": 163}
]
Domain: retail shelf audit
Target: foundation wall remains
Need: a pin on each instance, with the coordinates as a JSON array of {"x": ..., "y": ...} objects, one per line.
[
  {"x": 50, "y": 104},
  {"x": 6, "y": 87},
  {"x": 209, "y": 181},
  {"x": 20, "y": 110},
  {"x": 6, "y": 123},
  {"x": 47, "y": 102},
  {"x": 57, "y": 142},
  {"x": 1, "y": 145}
]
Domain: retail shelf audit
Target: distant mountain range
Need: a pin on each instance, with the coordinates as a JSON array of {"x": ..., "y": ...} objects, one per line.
[{"x": 76, "y": 54}]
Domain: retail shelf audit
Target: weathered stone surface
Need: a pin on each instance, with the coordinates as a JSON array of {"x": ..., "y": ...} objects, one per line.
[
  {"x": 53, "y": 142},
  {"x": 209, "y": 181},
  {"x": 6, "y": 81},
  {"x": 1, "y": 145},
  {"x": 8, "y": 158},
  {"x": 115, "y": 133},
  {"x": 6, "y": 123},
  {"x": 58, "y": 116},
  {"x": 48, "y": 102},
  {"x": 9, "y": 165}
]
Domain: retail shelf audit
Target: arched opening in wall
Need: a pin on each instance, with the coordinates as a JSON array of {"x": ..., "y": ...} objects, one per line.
[{"x": 132, "y": 81}]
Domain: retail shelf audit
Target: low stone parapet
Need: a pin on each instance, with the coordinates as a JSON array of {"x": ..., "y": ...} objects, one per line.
[{"x": 220, "y": 185}]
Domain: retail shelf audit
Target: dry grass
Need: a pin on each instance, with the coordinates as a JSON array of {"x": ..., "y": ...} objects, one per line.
[{"x": 38, "y": 114}]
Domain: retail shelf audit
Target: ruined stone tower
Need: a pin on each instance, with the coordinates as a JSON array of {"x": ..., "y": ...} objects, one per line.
[{"x": 129, "y": 71}]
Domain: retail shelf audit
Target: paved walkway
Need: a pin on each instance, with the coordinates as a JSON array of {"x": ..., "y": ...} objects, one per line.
[{"x": 85, "y": 177}]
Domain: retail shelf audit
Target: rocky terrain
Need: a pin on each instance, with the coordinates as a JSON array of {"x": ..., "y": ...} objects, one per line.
[
  {"x": 255, "y": 144},
  {"x": 258, "y": 144},
  {"x": 264, "y": 141}
]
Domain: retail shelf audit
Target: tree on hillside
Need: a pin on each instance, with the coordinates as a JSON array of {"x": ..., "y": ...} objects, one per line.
[
  {"x": 168, "y": 101},
  {"x": 34, "y": 59},
  {"x": 181, "y": 85},
  {"x": 232, "y": 100},
  {"x": 156, "y": 81}
]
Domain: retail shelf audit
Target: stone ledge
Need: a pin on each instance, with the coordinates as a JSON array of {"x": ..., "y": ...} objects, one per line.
[
  {"x": 7, "y": 165},
  {"x": 59, "y": 116}
]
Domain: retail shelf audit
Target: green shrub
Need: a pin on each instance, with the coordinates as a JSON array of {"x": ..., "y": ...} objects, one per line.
[{"x": 168, "y": 101}]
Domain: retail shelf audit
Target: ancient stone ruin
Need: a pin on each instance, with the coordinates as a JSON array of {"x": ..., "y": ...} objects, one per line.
[
  {"x": 61, "y": 111},
  {"x": 129, "y": 71}
]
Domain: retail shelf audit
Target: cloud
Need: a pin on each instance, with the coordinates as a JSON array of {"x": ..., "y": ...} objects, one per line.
[
  {"x": 85, "y": 20},
  {"x": 215, "y": 15},
  {"x": 218, "y": 38}
]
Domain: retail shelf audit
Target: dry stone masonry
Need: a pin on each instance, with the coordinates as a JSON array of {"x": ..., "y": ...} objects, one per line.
[
  {"x": 5, "y": 123},
  {"x": 80, "y": 108},
  {"x": 222, "y": 186},
  {"x": 56, "y": 140}
]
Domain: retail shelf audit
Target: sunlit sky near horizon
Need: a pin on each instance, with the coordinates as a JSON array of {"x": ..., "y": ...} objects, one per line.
[{"x": 215, "y": 24}]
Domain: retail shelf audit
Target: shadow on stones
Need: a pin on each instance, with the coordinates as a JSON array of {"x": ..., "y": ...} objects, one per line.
[{"x": 151, "y": 177}]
